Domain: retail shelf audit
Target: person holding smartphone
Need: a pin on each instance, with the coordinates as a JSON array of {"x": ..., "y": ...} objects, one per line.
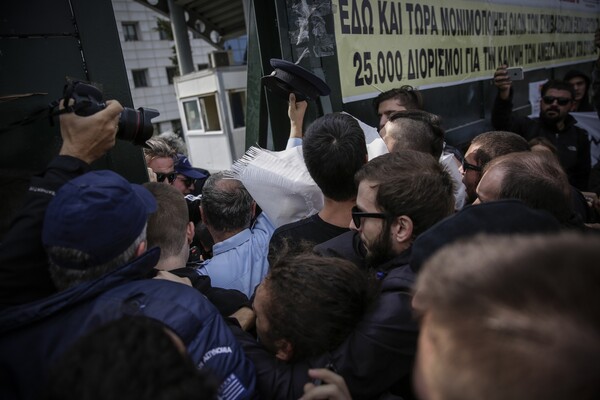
[{"x": 554, "y": 123}]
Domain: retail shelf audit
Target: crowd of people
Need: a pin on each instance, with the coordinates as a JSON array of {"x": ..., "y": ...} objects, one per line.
[{"x": 429, "y": 272}]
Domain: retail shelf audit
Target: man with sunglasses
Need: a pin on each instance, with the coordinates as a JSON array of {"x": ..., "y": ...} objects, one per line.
[
  {"x": 160, "y": 158},
  {"x": 186, "y": 176},
  {"x": 484, "y": 148},
  {"x": 554, "y": 123}
]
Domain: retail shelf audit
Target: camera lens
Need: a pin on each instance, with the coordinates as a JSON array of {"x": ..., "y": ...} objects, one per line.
[{"x": 136, "y": 125}]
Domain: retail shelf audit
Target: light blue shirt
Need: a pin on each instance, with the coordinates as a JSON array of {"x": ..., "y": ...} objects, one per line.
[{"x": 240, "y": 262}]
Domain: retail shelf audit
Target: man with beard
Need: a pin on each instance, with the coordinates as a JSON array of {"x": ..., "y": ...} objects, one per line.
[
  {"x": 554, "y": 123},
  {"x": 400, "y": 195}
]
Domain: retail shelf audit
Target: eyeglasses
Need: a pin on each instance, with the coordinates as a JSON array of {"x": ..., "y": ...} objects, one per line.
[
  {"x": 160, "y": 177},
  {"x": 466, "y": 166},
  {"x": 562, "y": 101},
  {"x": 357, "y": 216},
  {"x": 186, "y": 181}
]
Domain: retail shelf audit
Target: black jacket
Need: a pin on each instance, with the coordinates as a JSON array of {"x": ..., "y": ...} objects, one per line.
[
  {"x": 24, "y": 273},
  {"x": 375, "y": 359},
  {"x": 572, "y": 142}
]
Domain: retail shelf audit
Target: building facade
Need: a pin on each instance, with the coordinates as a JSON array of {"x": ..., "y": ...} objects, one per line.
[{"x": 149, "y": 54}]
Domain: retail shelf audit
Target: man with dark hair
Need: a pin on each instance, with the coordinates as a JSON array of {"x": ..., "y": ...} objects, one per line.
[
  {"x": 421, "y": 131},
  {"x": 400, "y": 195},
  {"x": 334, "y": 149},
  {"x": 480, "y": 340},
  {"x": 94, "y": 232},
  {"x": 308, "y": 304},
  {"x": 120, "y": 351},
  {"x": 241, "y": 246},
  {"x": 399, "y": 99},
  {"x": 484, "y": 148},
  {"x": 581, "y": 86},
  {"x": 554, "y": 123}
]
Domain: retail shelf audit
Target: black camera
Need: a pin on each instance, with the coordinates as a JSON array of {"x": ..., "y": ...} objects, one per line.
[{"x": 134, "y": 125}]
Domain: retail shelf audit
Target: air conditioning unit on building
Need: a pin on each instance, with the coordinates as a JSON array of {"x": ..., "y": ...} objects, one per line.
[{"x": 219, "y": 58}]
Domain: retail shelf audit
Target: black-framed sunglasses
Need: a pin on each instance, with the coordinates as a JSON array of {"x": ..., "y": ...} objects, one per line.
[
  {"x": 473, "y": 167},
  {"x": 562, "y": 101},
  {"x": 186, "y": 181},
  {"x": 358, "y": 215},
  {"x": 170, "y": 177}
]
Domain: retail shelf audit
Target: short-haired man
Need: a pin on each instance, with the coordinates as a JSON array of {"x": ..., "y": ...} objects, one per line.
[
  {"x": 94, "y": 232},
  {"x": 303, "y": 292},
  {"x": 241, "y": 238},
  {"x": 484, "y": 148},
  {"x": 170, "y": 229},
  {"x": 535, "y": 178},
  {"x": 421, "y": 131},
  {"x": 554, "y": 123},
  {"x": 480, "y": 340},
  {"x": 334, "y": 149},
  {"x": 400, "y": 195}
]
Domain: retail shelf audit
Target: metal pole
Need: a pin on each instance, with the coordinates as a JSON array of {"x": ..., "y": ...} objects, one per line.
[{"x": 182, "y": 40}]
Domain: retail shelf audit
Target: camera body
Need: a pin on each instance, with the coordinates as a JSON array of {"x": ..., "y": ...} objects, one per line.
[{"x": 134, "y": 125}]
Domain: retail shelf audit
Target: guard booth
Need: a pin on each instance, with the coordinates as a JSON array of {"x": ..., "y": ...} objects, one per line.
[
  {"x": 212, "y": 105},
  {"x": 448, "y": 50}
]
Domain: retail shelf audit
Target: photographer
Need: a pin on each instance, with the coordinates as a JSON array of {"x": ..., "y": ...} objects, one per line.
[
  {"x": 554, "y": 123},
  {"x": 23, "y": 262}
]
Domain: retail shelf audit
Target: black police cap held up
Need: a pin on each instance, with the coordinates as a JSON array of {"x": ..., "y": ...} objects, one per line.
[{"x": 288, "y": 77}]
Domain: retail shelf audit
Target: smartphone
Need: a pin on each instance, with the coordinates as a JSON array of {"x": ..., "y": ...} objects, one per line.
[{"x": 515, "y": 74}]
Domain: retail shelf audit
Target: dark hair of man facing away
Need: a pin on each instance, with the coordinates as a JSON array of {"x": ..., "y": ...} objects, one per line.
[
  {"x": 226, "y": 204},
  {"x": 311, "y": 304},
  {"x": 129, "y": 358},
  {"x": 537, "y": 179},
  {"x": 334, "y": 148},
  {"x": 415, "y": 130},
  {"x": 497, "y": 143},
  {"x": 410, "y": 183},
  {"x": 510, "y": 317}
]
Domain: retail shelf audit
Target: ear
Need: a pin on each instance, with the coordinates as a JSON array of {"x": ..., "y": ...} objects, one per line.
[
  {"x": 285, "y": 351},
  {"x": 402, "y": 230},
  {"x": 141, "y": 249},
  {"x": 253, "y": 209},
  {"x": 190, "y": 232},
  {"x": 202, "y": 217}
]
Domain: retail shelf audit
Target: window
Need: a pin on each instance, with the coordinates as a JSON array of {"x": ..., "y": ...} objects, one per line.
[
  {"x": 130, "y": 31},
  {"x": 210, "y": 113},
  {"x": 171, "y": 73},
  {"x": 140, "y": 78},
  {"x": 237, "y": 103},
  {"x": 202, "y": 66},
  {"x": 192, "y": 115}
]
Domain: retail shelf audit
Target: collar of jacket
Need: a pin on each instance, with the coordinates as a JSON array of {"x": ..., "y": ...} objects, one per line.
[{"x": 15, "y": 317}]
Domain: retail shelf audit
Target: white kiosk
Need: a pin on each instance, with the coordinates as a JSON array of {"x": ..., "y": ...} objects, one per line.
[{"x": 212, "y": 105}]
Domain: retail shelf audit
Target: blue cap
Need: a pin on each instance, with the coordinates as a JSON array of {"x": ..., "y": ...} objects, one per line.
[
  {"x": 183, "y": 167},
  {"x": 289, "y": 77},
  {"x": 98, "y": 213}
]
